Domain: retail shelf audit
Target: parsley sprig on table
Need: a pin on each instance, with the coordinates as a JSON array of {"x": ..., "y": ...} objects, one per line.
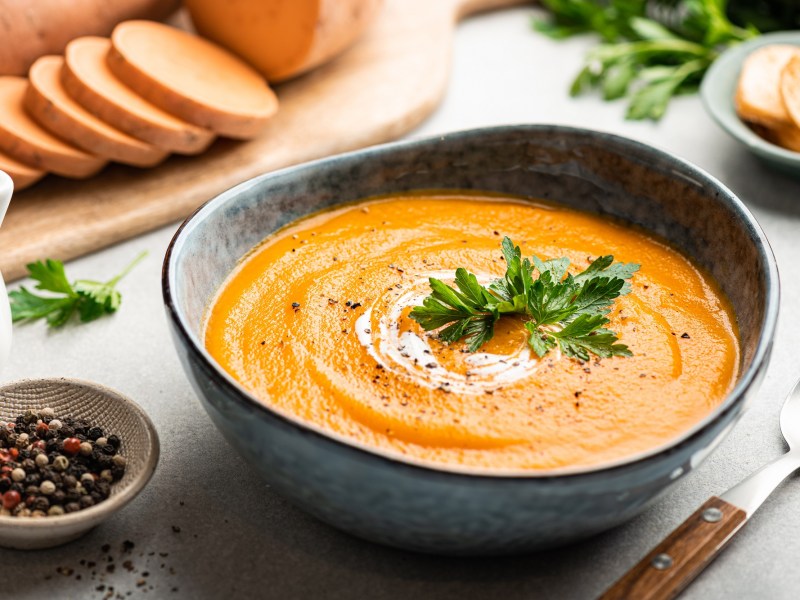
[
  {"x": 651, "y": 50},
  {"x": 87, "y": 298},
  {"x": 562, "y": 309}
]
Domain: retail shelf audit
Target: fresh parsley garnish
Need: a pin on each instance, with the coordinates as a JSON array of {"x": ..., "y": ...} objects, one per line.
[
  {"x": 651, "y": 51},
  {"x": 86, "y": 298},
  {"x": 562, "y": 309}
]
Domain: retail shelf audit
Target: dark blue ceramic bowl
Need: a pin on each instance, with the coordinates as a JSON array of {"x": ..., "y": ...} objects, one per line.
[{"x": 448, "y": 511}]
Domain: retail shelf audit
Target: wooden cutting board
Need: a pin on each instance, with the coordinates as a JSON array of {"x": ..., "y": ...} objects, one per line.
[{"x": 377, "y": 91}]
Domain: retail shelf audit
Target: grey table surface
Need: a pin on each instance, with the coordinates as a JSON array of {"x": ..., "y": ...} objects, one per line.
[{"x": 208, "y": 527}]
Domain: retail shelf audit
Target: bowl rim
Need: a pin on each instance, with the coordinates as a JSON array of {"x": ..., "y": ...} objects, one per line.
[
  {"x": 102, "y": 510},
  {"x": 726, "y": 410},
  {"x": 724, "y": 114}
]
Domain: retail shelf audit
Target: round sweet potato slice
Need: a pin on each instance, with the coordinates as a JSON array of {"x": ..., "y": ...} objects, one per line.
[
  {"x": 49, "y": 104},
  {"x": 25, "y": 140},
  {"x": 89, "y": 81},
  {"x": 21, "y": 174},
  {"x": 192, "y": 78}
]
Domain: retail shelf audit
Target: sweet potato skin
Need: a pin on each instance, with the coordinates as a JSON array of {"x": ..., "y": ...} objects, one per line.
[
  {"x": 283, "y": 38},
  {"x": 32, "y": 29},
  {"x": 26, "y": 141},
  {"x": 21, "y": 174}
]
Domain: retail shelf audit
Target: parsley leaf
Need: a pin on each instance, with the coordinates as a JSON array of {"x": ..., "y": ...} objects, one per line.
[
  {"x": 678, "y": 38},
  {"x": 563, "y": 310},
  {"x": 90, "y": 299},
  {"x": 582, "y": 336}
]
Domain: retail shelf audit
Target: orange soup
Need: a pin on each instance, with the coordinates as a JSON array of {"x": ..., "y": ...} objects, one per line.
[{"x": 315, "y": 323}]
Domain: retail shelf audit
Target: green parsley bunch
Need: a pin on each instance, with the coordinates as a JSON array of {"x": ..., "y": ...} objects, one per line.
[{"x": 561, "y": 309}]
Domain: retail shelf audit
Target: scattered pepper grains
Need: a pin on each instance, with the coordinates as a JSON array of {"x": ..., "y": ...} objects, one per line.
[{"x": 49, "y": 466}]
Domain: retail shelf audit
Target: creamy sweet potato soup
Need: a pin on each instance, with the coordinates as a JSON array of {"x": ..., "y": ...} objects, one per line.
[{"x": 315, "y": 323}]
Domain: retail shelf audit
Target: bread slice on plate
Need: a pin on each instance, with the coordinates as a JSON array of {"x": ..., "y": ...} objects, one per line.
[
  {"x": 758, "y": 97},
  {"x": 790, "y": 88},
  {"x": 786, "y": 137}
]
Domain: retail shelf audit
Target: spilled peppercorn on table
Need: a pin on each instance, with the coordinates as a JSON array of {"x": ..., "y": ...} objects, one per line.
[{"x": 208, "y": 527}]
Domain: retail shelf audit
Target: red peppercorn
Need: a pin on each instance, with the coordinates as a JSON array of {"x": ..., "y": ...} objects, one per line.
[
  {"x": 72, "y": 445},
  {"x": 10, "y": 499},
  {"x": 42, "y": 429},
  {"x": 40, "y": 445},
  {"x": 14, "y": 453}
]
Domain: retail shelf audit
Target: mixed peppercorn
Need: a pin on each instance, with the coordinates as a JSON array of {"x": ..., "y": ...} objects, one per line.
[{"x": 50, "y": 466}]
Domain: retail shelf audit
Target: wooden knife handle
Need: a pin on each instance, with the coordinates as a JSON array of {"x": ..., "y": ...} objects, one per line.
[{"x": 676, "y": 561}]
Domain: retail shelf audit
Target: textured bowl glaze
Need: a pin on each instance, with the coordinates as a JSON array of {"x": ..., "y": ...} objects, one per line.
[
  {"x": 101, "y": 406},
  {"x": 455, "y": 511}
]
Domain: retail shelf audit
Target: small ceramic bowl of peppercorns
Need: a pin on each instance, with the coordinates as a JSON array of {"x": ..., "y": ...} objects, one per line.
[{"x": 72, "y": 453}]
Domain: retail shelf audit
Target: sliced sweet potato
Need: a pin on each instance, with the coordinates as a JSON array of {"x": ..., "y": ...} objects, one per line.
[
  {"x": 49, "y": 104},
  {"x": 758, "y": 98},
  {"x": 21, "y": 174},
  {"x": 32, "y": 28},
  {"x": 25, "y": 140},
  {"x": 91, "y": 83},
  {"x": 790, "y": 88},
  {"x": 192, "y": 78}
]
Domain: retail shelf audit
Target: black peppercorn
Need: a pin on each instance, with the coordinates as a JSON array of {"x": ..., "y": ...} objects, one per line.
[
  {"x": 44, "y": 457},
  {"x": 103, "y": 486}
]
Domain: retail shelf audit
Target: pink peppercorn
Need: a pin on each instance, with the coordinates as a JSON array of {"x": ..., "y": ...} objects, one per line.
[
  {"x": 10, "y": 499},
  {"x": 72, "y": 445}
]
